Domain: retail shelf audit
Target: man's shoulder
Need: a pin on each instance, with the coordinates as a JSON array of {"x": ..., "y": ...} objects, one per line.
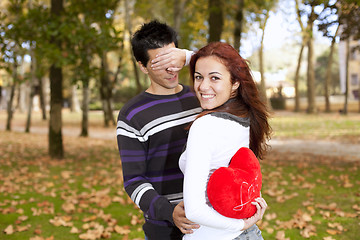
[{"x": 133, "y": 103}]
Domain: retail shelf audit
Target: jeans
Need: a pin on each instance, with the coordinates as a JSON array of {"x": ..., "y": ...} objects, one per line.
[{"x": 253, "y": 233}]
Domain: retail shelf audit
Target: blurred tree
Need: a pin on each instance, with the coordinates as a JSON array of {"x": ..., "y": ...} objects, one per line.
[
  {"x": 307, "y": 10},
  {"x": 33, "y": 81},
  {"x": 349, "y": 18},
  {"x": 312, "y": 16},
  {"x": 179, "y": 7},
  {"x": 325, "y": 17},
  {"x": 304, "y": 39},
  {"x": 260, "y": 12},
  {"x": 345, "y": 109},
  {"x": 345, "y": 15},
  {"x": 238, "y": 23},
  {"x": 215, "y": 20},
  {"x": 56, "y": 148},
  {"x": 128, "y": 24},
  {"x": 12, "y": 51},
  {"x": 321, "y": 73}
]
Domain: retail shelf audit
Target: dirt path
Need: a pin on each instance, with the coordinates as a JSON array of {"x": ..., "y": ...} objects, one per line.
[{"x": 318, "y": 147}]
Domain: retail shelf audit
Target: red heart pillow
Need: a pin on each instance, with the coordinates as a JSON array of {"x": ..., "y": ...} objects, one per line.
[{"x": 232, "y": 189}]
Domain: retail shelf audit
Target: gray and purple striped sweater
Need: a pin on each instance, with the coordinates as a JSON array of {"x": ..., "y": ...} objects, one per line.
[{"x": 151, "y": 136}]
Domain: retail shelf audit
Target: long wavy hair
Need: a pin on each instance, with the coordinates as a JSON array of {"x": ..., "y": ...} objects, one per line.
[{"x": 247, "y": 101}]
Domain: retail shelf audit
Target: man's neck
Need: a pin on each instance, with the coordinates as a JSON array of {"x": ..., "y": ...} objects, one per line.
[{"x": 163, "y": 91}]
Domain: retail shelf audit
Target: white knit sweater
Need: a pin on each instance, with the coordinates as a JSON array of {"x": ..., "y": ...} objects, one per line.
[{"x": 212, "y": 141}]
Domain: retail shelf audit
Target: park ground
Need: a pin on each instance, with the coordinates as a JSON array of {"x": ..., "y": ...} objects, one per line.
[{"x": 310, "y": 181}]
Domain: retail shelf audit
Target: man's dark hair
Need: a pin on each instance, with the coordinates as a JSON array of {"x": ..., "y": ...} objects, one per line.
[{"x": 151, "y": 35}]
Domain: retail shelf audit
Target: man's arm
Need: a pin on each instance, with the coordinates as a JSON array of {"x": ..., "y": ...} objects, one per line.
[
  {"x": 173, "y": 59},
  {"x": 133, "y": 149}
]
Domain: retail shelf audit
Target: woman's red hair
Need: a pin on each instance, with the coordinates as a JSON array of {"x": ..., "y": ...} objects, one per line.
[{"x": 247, "y": 102}]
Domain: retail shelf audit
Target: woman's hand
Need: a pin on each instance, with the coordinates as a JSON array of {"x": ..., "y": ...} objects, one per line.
[
  {"x": 172, "y": 59},
  {"x": 261, "y": 206}
]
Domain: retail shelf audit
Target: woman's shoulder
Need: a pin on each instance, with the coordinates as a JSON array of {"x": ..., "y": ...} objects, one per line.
[
  {"x": 244, "y": 121},
  {"x": 223, "y": 117},
  {"x": 219, "y": 123}
]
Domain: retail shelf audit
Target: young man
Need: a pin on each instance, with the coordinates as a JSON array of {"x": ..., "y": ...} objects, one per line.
[{"x": 151, "y": 136}]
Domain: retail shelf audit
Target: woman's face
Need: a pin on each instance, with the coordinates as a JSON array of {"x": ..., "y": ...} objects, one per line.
[{"x": 212, "y": 82}]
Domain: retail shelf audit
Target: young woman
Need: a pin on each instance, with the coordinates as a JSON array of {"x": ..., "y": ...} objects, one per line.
[{"x": 234, "y": 116}]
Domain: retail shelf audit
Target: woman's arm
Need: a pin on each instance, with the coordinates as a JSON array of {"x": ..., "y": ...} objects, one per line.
[{"x": 201, "y": 144}]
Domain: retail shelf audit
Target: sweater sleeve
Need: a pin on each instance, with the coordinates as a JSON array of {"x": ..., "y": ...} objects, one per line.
[
  {"x": 133, "y": 151},
  {"x": 201, "y": 143},
  {"x": 188, "y": 55}
]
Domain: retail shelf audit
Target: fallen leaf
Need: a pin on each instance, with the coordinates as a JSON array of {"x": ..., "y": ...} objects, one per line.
[
  {"x": 23, "y": 228},
  {"x": 333, "y": 231},
  {"x": 9, "y": 230},
  {"x": 280, "y": 235},
  {"x": 74, "y": 230},
  {"x": 66, "y": 174},
  {"x": 122, "y": 230},
  {"x": 68, "y": 207}
]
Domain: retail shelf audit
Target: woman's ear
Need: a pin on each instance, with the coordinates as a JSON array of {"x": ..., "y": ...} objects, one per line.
[
  {"x": 143, "y": 68},
  {"x": 235, "y": 86}
]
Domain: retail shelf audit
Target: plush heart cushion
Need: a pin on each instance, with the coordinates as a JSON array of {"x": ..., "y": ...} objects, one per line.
[{"x": 232, "y": 189}]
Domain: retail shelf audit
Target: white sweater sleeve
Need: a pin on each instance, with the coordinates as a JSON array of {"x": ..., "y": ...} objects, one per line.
[
  {"x": 199, "y": 149},
  {"x": 188, "y": 55}
]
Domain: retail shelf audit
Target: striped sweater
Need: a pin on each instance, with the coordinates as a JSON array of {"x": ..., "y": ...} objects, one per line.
[{"x": 151, "y": 136}]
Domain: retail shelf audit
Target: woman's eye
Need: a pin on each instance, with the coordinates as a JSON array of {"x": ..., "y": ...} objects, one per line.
[
  {"x": 198, "y": 77},
  {"x": 215, "y": 78}
]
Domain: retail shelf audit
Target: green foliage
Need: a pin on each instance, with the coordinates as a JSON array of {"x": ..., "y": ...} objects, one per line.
[{"x": 320, "y": 73}]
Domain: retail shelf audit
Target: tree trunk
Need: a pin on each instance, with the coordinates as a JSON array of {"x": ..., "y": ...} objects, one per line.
[
  {"x": 10, "y": 103},
  {"x": 328, "y": 73},
  {"x": 129, "y": 27},
  {"x": 238, "y": 24},
  {"x": 106, "y": 93},
  {"x": 42, "y": 99},
  {"x": 304, "y": 43},
  {"x": 85, "y": 110},
  {"x": 31, "y": 98},
  {"x": 216, "y": 20},
  {"x": 179, "y": 6},
  {"x": 359, "y": 96},
  {"x": 346, "y": 95},
  {"x": 297, "y": 75},
  {"x": 310, "y": 71},
  {"x": 261, "y": 60},
  {"x": 262, "y": 75},
  {"x": 103, "y": 92},
  {"x": 311, "y": 78},
  {"x": 56, "y": 149},
  {"x": 1, "y": 97},
  {"x": 10, "y": 108},
  {"x": 110, "y": 107},
  {"x": 32, "y": 90}
]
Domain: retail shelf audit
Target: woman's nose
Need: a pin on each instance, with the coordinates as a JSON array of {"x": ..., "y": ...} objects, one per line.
[{"x": 204, "y": 85}]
